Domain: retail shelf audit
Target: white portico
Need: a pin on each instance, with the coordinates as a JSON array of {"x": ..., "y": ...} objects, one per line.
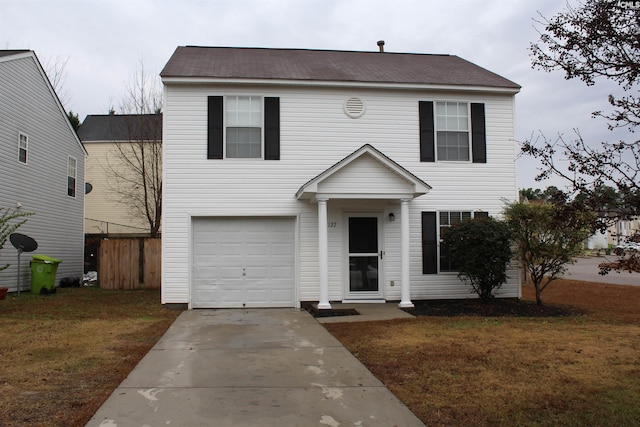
[{"x": 365, "y": 175}]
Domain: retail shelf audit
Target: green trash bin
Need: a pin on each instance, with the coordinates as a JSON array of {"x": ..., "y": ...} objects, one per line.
[{"x": 43, "y": 274}]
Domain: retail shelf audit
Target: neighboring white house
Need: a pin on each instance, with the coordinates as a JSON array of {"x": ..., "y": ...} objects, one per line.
[
  {"x": 309, "y": 175},
  {"x": 42, "y": 163}
]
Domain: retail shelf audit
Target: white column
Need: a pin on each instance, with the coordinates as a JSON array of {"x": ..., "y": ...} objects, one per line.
[
  {"x": 405, "y": 274},
  {"x": 323, "y": 255}
]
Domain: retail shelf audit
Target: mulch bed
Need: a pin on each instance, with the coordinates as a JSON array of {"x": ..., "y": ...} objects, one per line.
[
  {"x": 330, "y": 313},
  {"x": 494, "y": 308}
]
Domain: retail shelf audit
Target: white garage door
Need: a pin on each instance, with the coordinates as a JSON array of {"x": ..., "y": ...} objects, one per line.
[{"x": 243, "y": 262}]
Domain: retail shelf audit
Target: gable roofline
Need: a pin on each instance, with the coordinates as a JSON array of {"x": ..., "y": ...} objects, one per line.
[
  {"x": 328, "y": 67},
  {"x": 12, "y": 55},
  {"x": 310, "y": 188}
]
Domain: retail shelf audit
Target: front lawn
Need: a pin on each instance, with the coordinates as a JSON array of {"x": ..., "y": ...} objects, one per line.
[
  {"x": 64, "y": 354},
  {"x": 576, "y": 363}
]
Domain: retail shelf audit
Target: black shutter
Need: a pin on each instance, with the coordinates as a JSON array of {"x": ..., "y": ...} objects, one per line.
[
  {"x": 214, "y": 127},
  {"x": 478, "y": 134},
  {"x": 427, "y": 150},
  {"x": 429, "y": 243},
  {"x": 271, "y": 128}
]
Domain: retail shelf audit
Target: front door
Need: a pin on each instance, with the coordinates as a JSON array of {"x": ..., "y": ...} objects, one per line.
[{"x": 364, "y": 256}]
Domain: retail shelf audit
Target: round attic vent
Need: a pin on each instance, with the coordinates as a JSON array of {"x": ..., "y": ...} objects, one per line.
[{"x": 354, "y": 107}]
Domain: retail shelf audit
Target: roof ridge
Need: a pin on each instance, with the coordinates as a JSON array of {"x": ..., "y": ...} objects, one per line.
[{"x": 299, "y": 49}]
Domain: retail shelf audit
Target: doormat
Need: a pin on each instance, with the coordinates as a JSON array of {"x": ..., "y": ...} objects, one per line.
[{"x": 315, "y": 312}]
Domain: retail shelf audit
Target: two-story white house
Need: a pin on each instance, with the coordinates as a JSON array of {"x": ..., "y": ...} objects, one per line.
[
  {"x": 309, "y": 175},
  {"x": 42, "y": 163}
]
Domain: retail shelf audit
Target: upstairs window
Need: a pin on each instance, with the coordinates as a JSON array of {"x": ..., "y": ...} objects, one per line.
[
  {"x": 71, "y": 177},
  {"x": 452, "y": 131},
  {"x": 243, "y": 127},
  {"x": 23, "y": 148}
]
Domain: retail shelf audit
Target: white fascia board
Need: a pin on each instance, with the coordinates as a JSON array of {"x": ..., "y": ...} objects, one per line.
[
  {"x": 364, "y": 196},
  {"x": 338, "y": 84}
]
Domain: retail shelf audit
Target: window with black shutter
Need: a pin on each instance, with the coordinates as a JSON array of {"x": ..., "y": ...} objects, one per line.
[
  {"x": 452, "y": 131},
  {"x": 243, "y": 127}
]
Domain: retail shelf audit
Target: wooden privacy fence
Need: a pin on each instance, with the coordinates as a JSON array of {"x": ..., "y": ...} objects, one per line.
[{"x": 122, "y": 262}]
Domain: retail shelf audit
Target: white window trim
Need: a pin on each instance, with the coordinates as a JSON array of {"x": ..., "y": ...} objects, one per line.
[
  {"x": 26, "y": 149},
  {"x": 262, "y": 129},
  {"x": 435, "y": 130},
  {"x": 75, "y": 177}
]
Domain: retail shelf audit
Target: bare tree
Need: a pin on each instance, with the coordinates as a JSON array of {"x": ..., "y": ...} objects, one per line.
[
  {"x": 595, "y": 40},
  {"x": 56, "y": 70},
  {"x": 134, "y": 168}
]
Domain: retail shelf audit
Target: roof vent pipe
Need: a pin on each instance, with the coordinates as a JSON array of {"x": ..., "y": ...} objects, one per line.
[{"x": 381, "y": 45}]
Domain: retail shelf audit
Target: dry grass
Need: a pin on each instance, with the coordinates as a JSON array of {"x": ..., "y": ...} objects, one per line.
[
  {"x": 507, "y": 371},
  {"x": 64, "y": 354}
]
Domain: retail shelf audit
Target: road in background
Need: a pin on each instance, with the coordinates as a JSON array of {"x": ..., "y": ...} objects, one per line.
[{"x": 586, "y": 268}]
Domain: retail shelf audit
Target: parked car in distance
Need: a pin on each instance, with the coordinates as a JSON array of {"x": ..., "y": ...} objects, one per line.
[{"x": 626, "y": 247}]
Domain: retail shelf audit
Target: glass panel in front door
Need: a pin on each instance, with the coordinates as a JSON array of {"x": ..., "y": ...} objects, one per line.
[{"x": 363, "y": 254}]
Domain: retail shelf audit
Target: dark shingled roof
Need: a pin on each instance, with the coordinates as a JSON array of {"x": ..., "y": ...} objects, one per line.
[
  {"x": 12, "y": 52},
  {"x": 329, "y": 66},
  {"x": 121, "y": 127}
]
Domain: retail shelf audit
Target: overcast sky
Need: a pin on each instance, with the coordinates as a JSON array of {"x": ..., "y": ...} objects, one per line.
[{"x": 104, "y": 41}]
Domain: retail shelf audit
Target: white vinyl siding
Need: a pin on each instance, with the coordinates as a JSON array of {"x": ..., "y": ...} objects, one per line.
[
  {"x": 27, "y": 105},
  {"x": 315, "y": 133}
]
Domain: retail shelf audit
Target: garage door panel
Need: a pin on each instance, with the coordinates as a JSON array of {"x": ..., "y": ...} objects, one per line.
[
  {"x": 243, "y": 262},
  {"x": 229, "y": 249},
  {"x": 258, "y": 274},
  {"x": 281, "y": 272},
  {"x": 257, "y": 249},
  {"x": 282, "y": 249}
]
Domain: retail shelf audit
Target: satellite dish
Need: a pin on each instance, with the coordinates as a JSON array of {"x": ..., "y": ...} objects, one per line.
[
  {"x": 22, "y": 243},
  {"x": 87, "y": 187}
]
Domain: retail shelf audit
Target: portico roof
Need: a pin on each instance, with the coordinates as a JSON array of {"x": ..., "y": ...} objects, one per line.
[{"x": 367, "y": 173}]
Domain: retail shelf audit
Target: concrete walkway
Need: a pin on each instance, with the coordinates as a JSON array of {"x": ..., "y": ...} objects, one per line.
[{"x": 255, "y": 367}]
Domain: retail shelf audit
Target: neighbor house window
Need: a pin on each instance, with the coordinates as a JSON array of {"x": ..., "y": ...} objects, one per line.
[
  {"x": 23, "y": 148},
  {"x": 452, "y": 130},
  {"x": 243, "y": 126},
  {"x": 71, "y": 177}
]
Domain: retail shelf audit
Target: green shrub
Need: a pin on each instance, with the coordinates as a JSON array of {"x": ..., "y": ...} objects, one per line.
[{"x": 481, "y": 251}]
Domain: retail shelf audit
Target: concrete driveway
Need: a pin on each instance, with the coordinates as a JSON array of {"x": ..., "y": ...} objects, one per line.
[
  {"x": 254, "y": 367},
  {"x": 586, "y": 268}
]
